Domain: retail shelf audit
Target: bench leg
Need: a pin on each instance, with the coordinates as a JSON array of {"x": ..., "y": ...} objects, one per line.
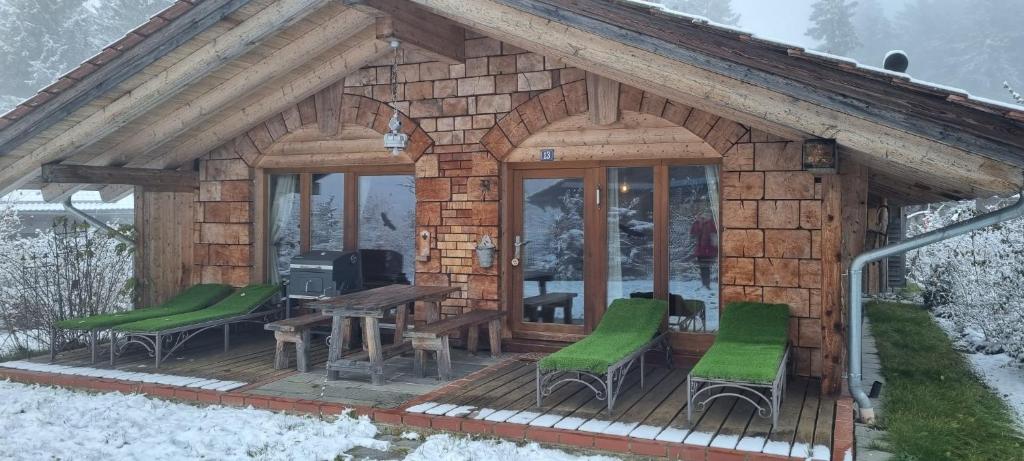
[
  {"x": 417, "y": 362},
  {"x": 227, "y": 336},
  {"x": 494, "y": 332},
  {"x": 302, "y": 351},
  {"x": 473, "y": 338},
  {"x": 280, "y": 354},
  {"x": 444, "y": 360},
  {"x": 158, "y": 346}
]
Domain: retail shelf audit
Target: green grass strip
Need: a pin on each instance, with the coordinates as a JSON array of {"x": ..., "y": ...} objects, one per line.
[
  {"x": 934, "y": 406},
  {"x": 625, "y": 326},
  {"x": 241, "y": 302},
  {"x": 192, "y": 299}
]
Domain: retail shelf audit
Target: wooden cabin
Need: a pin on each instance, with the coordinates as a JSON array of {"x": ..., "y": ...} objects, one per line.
[{"x": 628, "y": 150}]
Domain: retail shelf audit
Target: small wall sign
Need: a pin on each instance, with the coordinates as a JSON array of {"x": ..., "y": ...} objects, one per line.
[{"x": 547, "y": 155}]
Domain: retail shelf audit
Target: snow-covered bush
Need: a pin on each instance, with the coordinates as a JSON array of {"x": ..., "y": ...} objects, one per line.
[
  {"x": 66, "y": 271},
  {"x": 975, "y": 280}
]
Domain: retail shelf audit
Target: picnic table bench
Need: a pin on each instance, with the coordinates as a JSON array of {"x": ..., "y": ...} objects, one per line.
[
  {"x": 433, "y": 337},
  {"x": 295, "y": 330}
]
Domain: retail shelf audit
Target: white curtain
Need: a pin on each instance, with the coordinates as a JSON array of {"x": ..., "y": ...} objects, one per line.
[
  {"x": 711, "y": 173},
  {"x": 614, "y": 242},
  {"x": 282, "y": 208}
]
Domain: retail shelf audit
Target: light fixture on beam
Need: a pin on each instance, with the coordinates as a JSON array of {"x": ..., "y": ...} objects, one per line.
[
  {"x": 820, "y": 156},
  {"x": 394, "y": 139}
]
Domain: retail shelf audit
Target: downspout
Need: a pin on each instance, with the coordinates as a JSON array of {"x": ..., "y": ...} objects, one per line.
[
  {"x": 867, "y": 413},
  {"x": 97, "y": 223}
]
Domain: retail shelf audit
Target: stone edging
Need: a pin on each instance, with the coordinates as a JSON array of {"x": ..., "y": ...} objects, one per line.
[{"x": 842, "y": 438}]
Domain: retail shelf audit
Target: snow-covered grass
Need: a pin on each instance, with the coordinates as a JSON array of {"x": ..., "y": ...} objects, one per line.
[
  {"x": 1004, "y": 374},
  {"x": 934, "y": 405},
  {"x": 49, "y": 423}
]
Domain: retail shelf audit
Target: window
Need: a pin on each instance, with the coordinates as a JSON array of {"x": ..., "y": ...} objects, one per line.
[
  {"x": 339, "y": 211},
  {"x": 325, "y": 213},
  {"x": 387, "y": 216},
  {"x": 693, "y": 236}
]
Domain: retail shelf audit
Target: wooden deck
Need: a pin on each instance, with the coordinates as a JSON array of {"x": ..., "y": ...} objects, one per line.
[
  {"x": 658, "y": 412},
  {"x": 250, "y": 359}
]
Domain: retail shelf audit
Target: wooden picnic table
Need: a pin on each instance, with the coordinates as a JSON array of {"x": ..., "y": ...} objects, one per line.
[{"x": 370, "y": 306}]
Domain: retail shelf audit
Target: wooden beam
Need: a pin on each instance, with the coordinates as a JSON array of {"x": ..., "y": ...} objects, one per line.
[
  {"x": 363, "y": 51},
  {"x": 412, "y": 24},
  {"x": 164, "y": 180},
  {"x": 158, "y": 89},
  {"x": 673, "y": 72},
  {"x": 833, "y": 330},
  {"x": 123, "y": 66},
  {"x": 603, "y": 99},
  {"x": 335, "y": 30}
]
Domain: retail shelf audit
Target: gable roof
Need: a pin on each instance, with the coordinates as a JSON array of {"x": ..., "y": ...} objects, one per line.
[{"x": 962, "y": 145}]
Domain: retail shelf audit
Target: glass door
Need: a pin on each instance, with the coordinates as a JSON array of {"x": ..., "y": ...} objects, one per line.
[{"x": 550, "y": 260}]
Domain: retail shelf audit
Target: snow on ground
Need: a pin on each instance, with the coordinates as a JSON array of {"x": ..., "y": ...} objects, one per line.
[
  {"x": 445, "y": 447},
  {"x": 49, "y": 423},
  {"x": 999, "y": 371},
  {"x": 1005, "y": 376}
]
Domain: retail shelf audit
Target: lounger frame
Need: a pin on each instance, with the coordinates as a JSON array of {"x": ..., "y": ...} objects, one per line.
[
  {"x": 161, "y": 344},
  {"x": 765, "y": 397},
  {"x": 606, "y": 386}
]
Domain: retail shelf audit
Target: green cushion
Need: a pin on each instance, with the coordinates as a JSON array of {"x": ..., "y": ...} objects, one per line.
[
  {"x": 192, "y": 299},
  {"x": 627, "y": 325},
  {"x": 241, "y": 302},
  {"x": 751, "y": 342}
]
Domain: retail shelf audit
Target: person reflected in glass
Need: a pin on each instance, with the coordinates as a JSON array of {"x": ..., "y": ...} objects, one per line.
[{"x": 705, "y": 233}]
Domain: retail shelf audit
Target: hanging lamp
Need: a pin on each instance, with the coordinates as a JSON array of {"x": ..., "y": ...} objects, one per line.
[{"x": 394, "y": 139}]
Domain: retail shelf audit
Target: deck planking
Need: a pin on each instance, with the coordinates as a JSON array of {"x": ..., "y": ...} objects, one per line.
[{"x": 508, "y": 394}]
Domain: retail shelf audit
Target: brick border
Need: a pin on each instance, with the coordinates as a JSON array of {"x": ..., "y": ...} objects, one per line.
[{"x": 842, "y": 436}]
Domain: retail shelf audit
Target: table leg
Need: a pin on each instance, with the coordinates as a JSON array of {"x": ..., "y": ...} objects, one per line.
[
  {"x": 401, "y": 318},
  {"x": 371, "y": 332},
  {"x": 334, "y": 351},
  {"x": 433, "y": 313}
]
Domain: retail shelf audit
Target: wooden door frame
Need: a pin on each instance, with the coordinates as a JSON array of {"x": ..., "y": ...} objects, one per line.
[
  {"x": 514, "y": 275},
  {"x": 596, "y": 231}
]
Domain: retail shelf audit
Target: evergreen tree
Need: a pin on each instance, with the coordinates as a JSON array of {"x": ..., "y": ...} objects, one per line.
[
  {"x": 719, "y": 11},
  {"x": 876, "y": 30},
  {"x": 833, "y": 26},
  {"x": 45, "y": 39}
]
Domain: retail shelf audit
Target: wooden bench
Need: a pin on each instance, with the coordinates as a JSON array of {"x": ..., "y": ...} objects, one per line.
[
  {"x": 295, "y": 330},
  {"x": 434, "y": 337},
  {"x": 546, "y": 303}
]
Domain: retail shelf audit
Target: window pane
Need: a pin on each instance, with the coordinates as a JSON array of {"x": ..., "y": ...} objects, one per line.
[
  {"x": 553, "y": 261},
  {"x": 387, "y": 216},
  {"x": 693, "y": 248},
  {"x": 327, "y": 206},
  {"x": 630, "y": 214},
  {"x": 283, "y": 239}
]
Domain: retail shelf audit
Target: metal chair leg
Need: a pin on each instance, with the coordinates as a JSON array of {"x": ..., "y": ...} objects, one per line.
[{"x": 92, "y": 345}]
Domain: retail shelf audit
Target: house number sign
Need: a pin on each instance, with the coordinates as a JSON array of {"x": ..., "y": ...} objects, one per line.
[{"x": 547, "y": 155}]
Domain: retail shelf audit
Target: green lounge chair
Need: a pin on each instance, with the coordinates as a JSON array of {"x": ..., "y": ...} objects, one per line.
[
  {"x": 250, "y": 304},
  {"x": 628, "y": 330},
  {"x": 750, "y": 353},
  {"x": 192, "y": 299}
]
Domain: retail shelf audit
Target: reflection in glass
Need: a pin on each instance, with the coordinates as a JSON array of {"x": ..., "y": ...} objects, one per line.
[
  {"x": 387, "y": 216},
  {"x": 326, "y": 217},
  {"x": 630, "y": 214},
  {"x": 283, "y": 233},
  {"x": 553, "y": 260},
  {"x": 693, "y": 248}
]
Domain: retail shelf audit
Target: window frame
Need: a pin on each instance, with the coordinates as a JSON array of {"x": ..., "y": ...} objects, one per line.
[{"x": 350, "y": 201}]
